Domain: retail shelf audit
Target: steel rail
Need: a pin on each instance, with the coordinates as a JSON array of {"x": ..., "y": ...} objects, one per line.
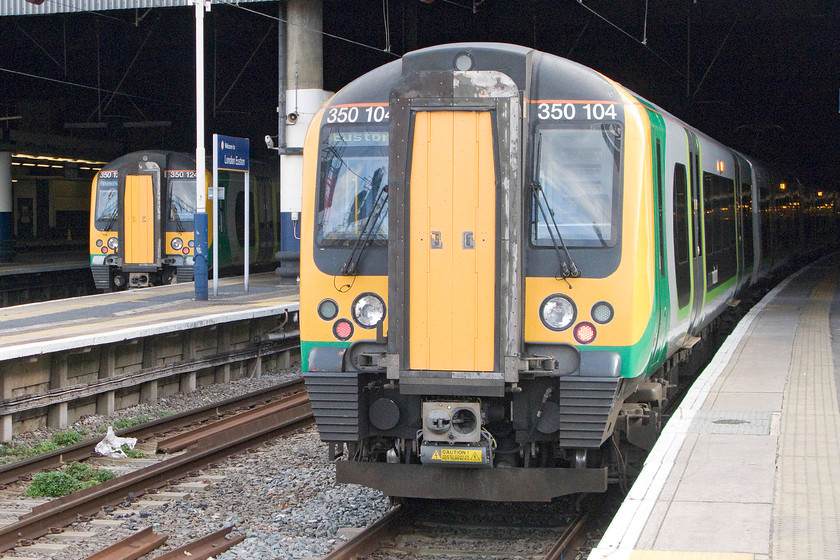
[
  {"x": 205, "y": 547},
  {"x": 82, "y": 450},
  {"x": 132, "y": 547},
  {"x": 65, "y": 510},
  {"x": 369, "y": 539},
  {"x": 557, "y": 550},
  {"x": 202, "y": 433}
]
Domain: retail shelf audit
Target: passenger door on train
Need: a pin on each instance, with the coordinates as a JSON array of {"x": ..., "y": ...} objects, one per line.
[
  {"x": 139, "y": 217},
  {"x": 452, "y": 242},
  {"x": 698, "y": 264}
]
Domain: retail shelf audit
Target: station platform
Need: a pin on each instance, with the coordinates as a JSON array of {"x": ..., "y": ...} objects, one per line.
[
  {"x": 34, "y": 261},
  {"x": 748, "y": 467},
  {"x": 61, "y": 325}
]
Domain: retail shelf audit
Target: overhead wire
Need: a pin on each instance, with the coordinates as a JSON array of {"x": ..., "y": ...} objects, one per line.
[
  {"x": 642, "y": 41},
  {"x": 140, "y": 97},
  {"x": 82, "y": 86},
  {"x": 235, "y": 4}
]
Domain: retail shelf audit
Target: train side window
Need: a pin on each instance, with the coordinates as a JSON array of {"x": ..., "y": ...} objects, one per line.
[
  {"x": 746, "y": 209},
  {"x": 240, "y": 219},
  {"x": 681, "y": 238},
  {"x": 710, "y": 219},
  {"x": 659, "y": 202}
]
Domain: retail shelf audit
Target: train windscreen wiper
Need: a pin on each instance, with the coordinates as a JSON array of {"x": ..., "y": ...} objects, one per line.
[
  {"x": 176, "y": 217},
  {"x": 111, "y": 221},
  {"x": 351, "y": 267},
  {"x": 569, "y": 268}
]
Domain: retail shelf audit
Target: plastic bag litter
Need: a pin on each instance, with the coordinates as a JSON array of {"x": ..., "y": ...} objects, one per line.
[{"x": 111, "y": 445}]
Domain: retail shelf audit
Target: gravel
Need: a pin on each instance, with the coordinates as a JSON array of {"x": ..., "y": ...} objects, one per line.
[{"x": 283, "y": 496}]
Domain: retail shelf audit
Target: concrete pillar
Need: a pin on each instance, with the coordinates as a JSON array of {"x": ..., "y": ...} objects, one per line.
[
  {"x": 57, "y": 416},
  {"x": 223, "y": 346},
  {"x": 149, "y": 392},
  {"x": 107, "y": 361},
  {"x": 187, "y": 383},
  {"x": 304, "y": 96},
  {"x": 256, "y": 368},
  {"x": 305, "y": 58},
  {"x": 284, "y": 361},
  {"x": 6, "y": 430},
  {"x": 7, "y": 244},
  {"x": 105, "y": 403},
  {"x": 58, "y": 371}
]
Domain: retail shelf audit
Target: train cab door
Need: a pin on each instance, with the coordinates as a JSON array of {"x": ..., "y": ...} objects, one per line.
[
  {"x": 141, "y": 217},
  {"x": 698, "y": 263},
  {"x": 452, "y": 231}
]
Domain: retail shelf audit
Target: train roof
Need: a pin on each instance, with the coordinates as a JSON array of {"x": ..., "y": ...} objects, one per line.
[
  {"x": 164, "y": 158},
  {"x": 538, "y": 75}
]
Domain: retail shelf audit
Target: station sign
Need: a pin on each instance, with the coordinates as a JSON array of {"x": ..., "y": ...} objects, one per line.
[{"x": 233, "y": 153}]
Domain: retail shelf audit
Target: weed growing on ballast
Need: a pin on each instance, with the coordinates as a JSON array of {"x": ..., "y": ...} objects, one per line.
[{"x": 74, "y": 477}]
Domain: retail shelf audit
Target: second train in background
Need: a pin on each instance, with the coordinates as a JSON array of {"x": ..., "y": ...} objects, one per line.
[{"x": 142, "y": 212}]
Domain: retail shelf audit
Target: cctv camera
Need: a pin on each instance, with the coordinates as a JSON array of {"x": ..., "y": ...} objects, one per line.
[{"x": 269, "y": 143}]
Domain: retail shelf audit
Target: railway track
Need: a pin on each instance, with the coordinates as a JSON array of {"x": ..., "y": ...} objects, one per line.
[
  {"x": 422, "y": 530},
  {"x": 16, "y": 471},
  {"x": 203, "y": 446}
]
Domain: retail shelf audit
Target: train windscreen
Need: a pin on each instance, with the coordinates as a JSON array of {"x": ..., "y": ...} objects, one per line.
[
  {"x": 181, "y": 203},
  {"x": 578, "y": 170},
  {"x": 106, "y": 202},
  {"x": 353, "y": 181}
]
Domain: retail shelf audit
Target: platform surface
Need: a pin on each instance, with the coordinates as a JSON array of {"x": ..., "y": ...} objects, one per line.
[
  {"x": 38, "y": 328},
  {"x": 46, "y": 260},
  {"x": 748, "y": 467}
]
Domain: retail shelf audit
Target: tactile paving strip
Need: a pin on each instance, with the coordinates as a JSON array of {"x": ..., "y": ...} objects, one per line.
[{"x": 806, "y": 510}]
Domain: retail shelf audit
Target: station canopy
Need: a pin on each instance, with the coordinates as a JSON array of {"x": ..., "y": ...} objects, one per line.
[{"x": 46, "y": 7}]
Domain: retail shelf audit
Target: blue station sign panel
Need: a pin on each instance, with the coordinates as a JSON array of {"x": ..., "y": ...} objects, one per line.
[{"x": 233, "y": 153}]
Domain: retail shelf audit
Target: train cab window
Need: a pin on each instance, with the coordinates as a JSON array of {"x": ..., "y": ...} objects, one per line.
[
  {"x": 352, "y": 189},
  {"x": 106, "y": 203},
  {"x": 579, "y": 170},
  {"x": 181, "y": 203}
]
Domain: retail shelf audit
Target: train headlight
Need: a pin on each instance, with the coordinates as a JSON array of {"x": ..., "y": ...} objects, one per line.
[
  {"x": 368, "y": 310},
  {"x": 558, "y": 312},
  {"x": 99, "y": 243},
  {"x": 113, "y": 243},
  {"x": 177, "y": 243},
  {"x": 602, "y": 312}
]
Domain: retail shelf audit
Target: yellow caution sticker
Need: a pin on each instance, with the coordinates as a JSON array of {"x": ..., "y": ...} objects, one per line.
[{"x": 458, "y": 455}]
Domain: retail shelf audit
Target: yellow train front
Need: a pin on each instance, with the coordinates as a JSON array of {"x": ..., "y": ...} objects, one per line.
[
  {"x": 142, "y": 211},
  {"x": 486, "y": 285},
  {"x": 142, "y": 229}
]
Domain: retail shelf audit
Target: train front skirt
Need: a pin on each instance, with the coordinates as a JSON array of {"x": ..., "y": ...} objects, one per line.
[{"x": 493, "y": 484}]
